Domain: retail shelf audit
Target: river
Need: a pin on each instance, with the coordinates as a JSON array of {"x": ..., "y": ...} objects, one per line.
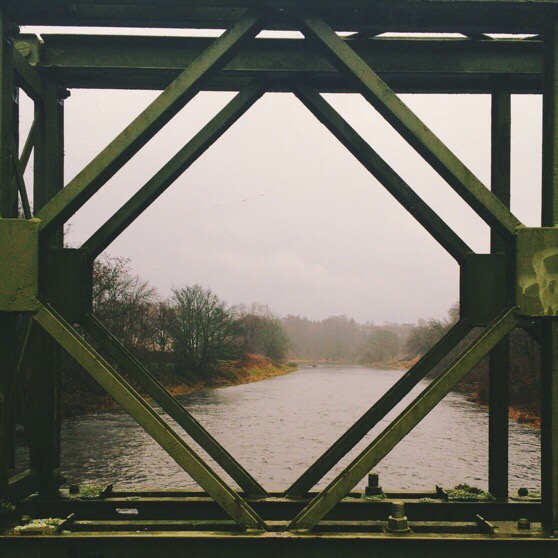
[{"x": 277, "y": 427}]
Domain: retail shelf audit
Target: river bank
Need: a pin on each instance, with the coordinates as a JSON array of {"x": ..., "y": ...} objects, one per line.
[{"x": 83, "y": 401}]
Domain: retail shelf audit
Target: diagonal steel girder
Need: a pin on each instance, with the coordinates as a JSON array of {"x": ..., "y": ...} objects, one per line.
[
  {"x": 28, "y": 147},
  {"x": 372, "y": 161},
  {"x": 170, "y": 405},
  {"x": 347, "y": 479},
  {"x": 144, "y": 197},
  {"x": 235, "y": 506},
  {"x": 147, "y": 124},
  {"x": 20, "y": 181},
  {"x": 410, "y": 127},
  {"x": 349, "y": 439}
]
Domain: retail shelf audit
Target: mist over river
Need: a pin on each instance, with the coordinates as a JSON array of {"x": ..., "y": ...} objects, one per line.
[{"x": 277, "y": 427}]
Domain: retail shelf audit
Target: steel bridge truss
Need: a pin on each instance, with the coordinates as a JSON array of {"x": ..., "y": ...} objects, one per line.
[{"x": 46, "y": 289}]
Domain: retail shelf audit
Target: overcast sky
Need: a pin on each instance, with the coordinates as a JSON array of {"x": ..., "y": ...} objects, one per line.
[{"x": 278, "y": 212}]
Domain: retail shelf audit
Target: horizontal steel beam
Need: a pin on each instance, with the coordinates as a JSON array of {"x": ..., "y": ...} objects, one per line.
[
  {"x": 407, "y": 65},
  {"x": 519, "y": 16},
  {"x": 204, "y": 545},
  {"x": 166, "y": 507}
]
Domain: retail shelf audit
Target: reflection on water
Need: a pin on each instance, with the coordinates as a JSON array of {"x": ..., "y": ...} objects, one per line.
[{"x": 277, "y": 427}]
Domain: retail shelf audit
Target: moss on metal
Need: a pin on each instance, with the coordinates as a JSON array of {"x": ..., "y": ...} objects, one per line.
[{"x": 464, "y": 492}]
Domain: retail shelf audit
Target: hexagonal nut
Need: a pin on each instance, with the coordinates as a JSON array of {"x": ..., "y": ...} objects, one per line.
[{"x": 398, "y": 524}]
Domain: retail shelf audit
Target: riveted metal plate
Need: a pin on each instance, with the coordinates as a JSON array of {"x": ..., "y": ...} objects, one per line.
[
  {"x": 70, "y": 283},
  {"x": 19, "y": 265},
  {"x": 482, "y": 288},
  {"x": 537, "y": 271}
]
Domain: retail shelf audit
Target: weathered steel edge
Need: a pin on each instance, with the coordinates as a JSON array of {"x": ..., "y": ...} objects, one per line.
[
  {"x": 273, "y": 544},
  {"x": 502, "y": 15},
  {"x": 276, "y": 509},
  {"x": 450, "y": 65}
]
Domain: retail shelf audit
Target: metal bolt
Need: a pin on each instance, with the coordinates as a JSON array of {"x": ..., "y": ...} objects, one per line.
[
  {"x": 398, "y": 509},
  {"x": 523, "y": 492},
  {"x": 524, "y": 524},
  {"x": 373, "y": 479},
  {"x": 397, "y": 521},
  {"x": 373, "y": 488}
]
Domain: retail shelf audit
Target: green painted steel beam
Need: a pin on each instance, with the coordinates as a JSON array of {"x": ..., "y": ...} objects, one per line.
[
  {"x": 27, "y": 77},
  {"x": 379, "y": 410},
  {"x": 28, "y": 147},
  {"x": 411, "y": 128},
  {"x": 45, "y": 384},
  {"x": 405, "y": 422},
  {"x": 144, "y": 197},
  {"x": 8, "y": 210},
  {"x": 499, "y": 358},
  {"x": 481, "y": 296},
  {"x": 147, "y": 124},
  {"x": 147, "y": 418},
  {"x": 274, "y": 545},
  {"x": 171, "y": 406},
  {"x": 549, "y": 337},
  {"x": 395, "y": 185},
  {"x": 549, "y": 431},
  {"x": 20, "y": 181},
  {"x": 19, "y": 256},
  {"x": 406, "y": 64},
  {"x": 172, "y": 504},
  {"x": 505, "y": 16}
]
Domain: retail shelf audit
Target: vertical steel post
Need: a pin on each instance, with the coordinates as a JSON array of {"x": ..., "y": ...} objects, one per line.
[
  {"x": 498, "y": 451},
  {"x": 8, "y": 208},
  {"x": 549, "y": 346},
  {"x": 49, "y": 179},
  {"x": 11, "y": 425}
]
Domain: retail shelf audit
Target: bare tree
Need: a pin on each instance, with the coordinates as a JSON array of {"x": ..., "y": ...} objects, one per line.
[
  {"x": 123, "y": 302},
  {"x": 204, "y": 330}
]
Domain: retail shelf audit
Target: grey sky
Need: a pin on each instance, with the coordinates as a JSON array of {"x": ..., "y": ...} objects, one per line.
[{"x": 280, "y": 213}]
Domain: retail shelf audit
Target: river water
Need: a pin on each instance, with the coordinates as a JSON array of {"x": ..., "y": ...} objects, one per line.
[{"x": 277, "y": 427}]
